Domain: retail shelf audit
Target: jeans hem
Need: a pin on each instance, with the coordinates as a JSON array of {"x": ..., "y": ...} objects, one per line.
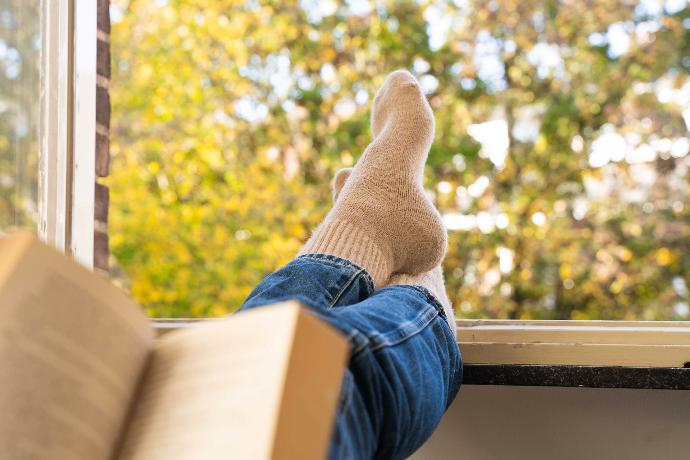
[
  {"x": 429, "y": 296},
  {"x": 342, "y": 262}
]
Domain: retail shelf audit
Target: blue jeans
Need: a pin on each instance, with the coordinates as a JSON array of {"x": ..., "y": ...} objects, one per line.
[{"x": 404, "y": 368}]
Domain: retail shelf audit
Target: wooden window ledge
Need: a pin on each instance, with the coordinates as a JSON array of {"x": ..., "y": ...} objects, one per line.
[{"x": 594, "y": 354}]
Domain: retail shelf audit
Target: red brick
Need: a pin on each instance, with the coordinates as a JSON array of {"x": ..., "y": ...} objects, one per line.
[
  {"x": 102, "y": 155},
  {"x": 103, "y": 59},
  {"x": 102, "y": 106},
  {"x": 100, "y": 250},
  {"x": 103, "y": 12},
  {"x": 102, "y": 203}
]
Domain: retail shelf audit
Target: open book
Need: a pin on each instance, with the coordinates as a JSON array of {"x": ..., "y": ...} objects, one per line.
[{"x": 82, "y": 375}]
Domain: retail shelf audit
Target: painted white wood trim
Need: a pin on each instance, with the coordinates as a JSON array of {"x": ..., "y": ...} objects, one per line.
[
  {"x": 164, "y": 325},
  {"x": 584, "y": 343},
  {"x": 576, "y": 354},
  {"x": 465, "y": 323},
  {"x": 84, "y": 131},
  {"x": 596, "y": 343},
  {"x": 55, "y": 127},
  {"x": 575, "y": 334}
]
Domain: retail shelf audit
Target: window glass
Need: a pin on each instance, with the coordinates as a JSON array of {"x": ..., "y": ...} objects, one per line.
[
  {"x": 19, "y": 112},
  {"x": 560, "y": 162}
]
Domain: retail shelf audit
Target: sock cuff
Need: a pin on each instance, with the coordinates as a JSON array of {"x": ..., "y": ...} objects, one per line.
[{"x": 342, "y": 239}]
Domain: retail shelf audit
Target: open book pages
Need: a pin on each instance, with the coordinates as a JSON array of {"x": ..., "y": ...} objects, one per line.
[
  {"x": 84, "y": 378},
  {"x": 72, "y": 348},
  {"x": 261, "y": 384}
]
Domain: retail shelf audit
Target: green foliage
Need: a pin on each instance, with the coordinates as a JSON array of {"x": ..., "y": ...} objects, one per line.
[
  {"x": 19, "y": 117},
  {"x": 230, "y": 118}
]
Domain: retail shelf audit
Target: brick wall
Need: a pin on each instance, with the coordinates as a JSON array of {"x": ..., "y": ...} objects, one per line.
[{"x": 101, "y": 248}]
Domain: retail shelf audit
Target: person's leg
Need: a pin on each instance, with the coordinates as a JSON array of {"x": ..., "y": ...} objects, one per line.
[
  {"x": 431, "y": 280},
  {"x": 404, "y": 371},
  {"x": 320, "y": 281},
  {"x": 404, "y": 367}
]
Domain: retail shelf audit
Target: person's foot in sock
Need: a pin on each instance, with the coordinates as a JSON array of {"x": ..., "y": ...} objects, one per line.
[
  {"x": 432, "y": 280},
  {"x": 339, "y": 181},
  {"x": 382, "y": 219}
]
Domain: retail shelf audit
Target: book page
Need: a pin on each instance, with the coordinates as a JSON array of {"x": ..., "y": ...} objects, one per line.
[
  {"x": 72, "y": 349},
  {"x": 218, "y": 391}
]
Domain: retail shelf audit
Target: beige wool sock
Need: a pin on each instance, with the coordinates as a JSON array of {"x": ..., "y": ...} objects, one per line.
[
  {"x": 382, "y": 219},
  {"x": 432, "y": 280},
  {"x": 339, "y": 180}
]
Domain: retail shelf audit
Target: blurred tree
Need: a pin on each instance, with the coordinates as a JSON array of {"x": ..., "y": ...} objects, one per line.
[
  {"x": 19, "y": 103},
  {"x": 560, "y": 162}
]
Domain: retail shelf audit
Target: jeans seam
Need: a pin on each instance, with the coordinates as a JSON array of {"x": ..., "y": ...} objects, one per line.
[
  {"x": 430, "y": 298},
  {"x": 340, "y": 262},
  {"x": 345, "y": 287},
  {"x": 345, "y": 403},
  {"x": 425, "y": 321},
  {"x": 329, "y": 259}
]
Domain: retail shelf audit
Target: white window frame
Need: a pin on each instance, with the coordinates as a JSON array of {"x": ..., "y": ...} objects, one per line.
[
  {"x": 582, "y": 343},
  {"x": 577, "y": 343},
  {"x": 67, "y": 198},
  {"x": 68, "y": 126}
]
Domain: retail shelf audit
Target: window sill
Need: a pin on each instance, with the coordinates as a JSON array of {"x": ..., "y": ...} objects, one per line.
[
  {"x": 657, "y": 378},
  {"x": 594, "y": 354},
  {"x": 650, "y": 344}
]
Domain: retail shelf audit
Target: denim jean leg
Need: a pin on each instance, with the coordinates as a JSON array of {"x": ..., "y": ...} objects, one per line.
[
  {"x": 404, "y": 371},
  {"x": 320, "y": 281},
  {"x": 405, "y": 366}
]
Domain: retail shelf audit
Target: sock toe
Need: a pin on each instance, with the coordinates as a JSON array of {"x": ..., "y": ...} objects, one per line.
[{"x": 339, "y": 181}]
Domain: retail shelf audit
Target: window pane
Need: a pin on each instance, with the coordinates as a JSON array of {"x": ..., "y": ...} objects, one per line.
[
  {"x": 560, "y": 161},
  {"x": 19, "y": 105}
]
